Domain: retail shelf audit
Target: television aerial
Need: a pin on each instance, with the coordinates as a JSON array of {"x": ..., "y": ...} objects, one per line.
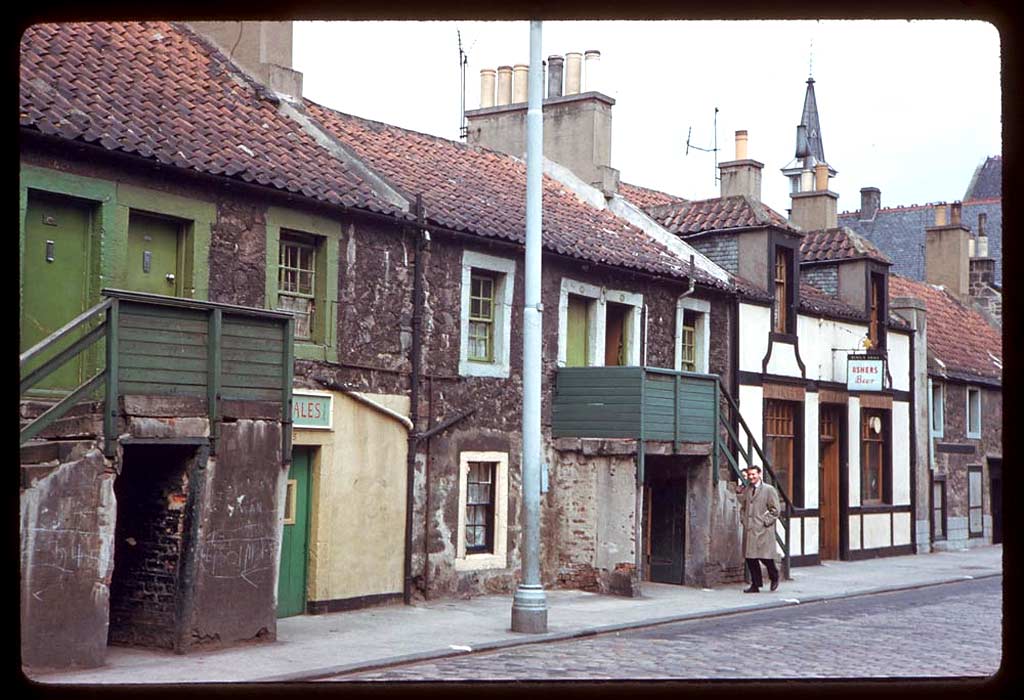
[{"x": 713, "y": 150}]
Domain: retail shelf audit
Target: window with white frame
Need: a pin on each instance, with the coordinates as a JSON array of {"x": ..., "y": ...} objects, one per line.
[
  {"x": 938, "y": 406},
  {"x": 692, "y": 335},
  {"x": 598, "y": 326},
  {"x": 483, "y": 511},
  {"x": 973, "y": 412},
  {"x": 486, "y": 318}
]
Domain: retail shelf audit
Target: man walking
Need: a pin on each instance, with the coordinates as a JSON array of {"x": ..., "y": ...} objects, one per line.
[{"x": 759, "y": 509}]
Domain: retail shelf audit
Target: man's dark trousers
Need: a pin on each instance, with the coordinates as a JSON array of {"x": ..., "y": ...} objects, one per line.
[{"x": 754, "y": 566}]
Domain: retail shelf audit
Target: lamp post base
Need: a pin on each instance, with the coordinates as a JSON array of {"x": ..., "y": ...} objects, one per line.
[{"x": 530, "y": 610}]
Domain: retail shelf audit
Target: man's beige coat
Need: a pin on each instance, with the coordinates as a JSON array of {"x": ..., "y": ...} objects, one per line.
[{"x": 758, "y": 515}]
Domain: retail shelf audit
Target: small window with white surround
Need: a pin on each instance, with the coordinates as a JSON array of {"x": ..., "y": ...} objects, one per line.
[
  {"x": 483, "y": 511},
  {"x": 486, "y": 318},
  {"x": 938, "y": 405},
  {"x": 973, "y": 412},
  {"x": 692, "y": 334}
]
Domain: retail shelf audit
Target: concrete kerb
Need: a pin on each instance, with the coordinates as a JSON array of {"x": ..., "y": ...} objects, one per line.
[{"x": 405, "y": 659}]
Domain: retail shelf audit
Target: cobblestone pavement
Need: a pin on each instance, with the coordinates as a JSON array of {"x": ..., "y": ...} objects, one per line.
[{"x": 939, "y": 631}]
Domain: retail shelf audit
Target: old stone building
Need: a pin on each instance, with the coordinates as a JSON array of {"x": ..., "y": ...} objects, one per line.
[{"x": 315, "y": 331}]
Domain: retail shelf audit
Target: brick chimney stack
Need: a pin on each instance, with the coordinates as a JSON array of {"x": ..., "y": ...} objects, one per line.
[
  {"x": 742, "y": 175},
  {"x": 982, "y": 267},
  {"x": 947, "y": 252}
]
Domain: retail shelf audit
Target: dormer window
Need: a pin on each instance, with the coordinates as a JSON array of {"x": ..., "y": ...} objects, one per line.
[
  {"x": 877, "y": 311},
  {"x": 783, "y": 281}
]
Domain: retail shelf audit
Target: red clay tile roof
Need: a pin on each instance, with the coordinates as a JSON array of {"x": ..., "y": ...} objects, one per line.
[
  {"x": 645, "y": 197},
  {"x": 961, "y": 344},
  {"x": 473, "y": 189},
  {"x": 834, "y": 244},
  {"x": 816, "y": 302},
  {"x": 158, "y": 91},
  {"x": 719, "y": 213}
]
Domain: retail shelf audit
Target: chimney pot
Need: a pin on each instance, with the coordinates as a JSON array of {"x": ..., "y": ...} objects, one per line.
[
  {"x": 573, "y": 67},
  {"x": 820, "y": 177},
  {"x": 741, "y": 145},
  {"x": 520, "y": 82},
  {"x": 555, "y": 76},
  {"x": 806, "y": 180},
  {"x": 970, "y": 247},
  {"x": 593, "y": 69},
  {"x": 504, "y": 85},
  {"x": 940, "y": 214},
  {"x": 954, "y": 213},
  {"x": 982, "y": 246},
  {"x": 487, "y": 87},
  {"x": 870, "y": 202}
]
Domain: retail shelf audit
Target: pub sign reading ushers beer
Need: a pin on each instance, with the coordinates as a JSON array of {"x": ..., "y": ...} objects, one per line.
[
  {"x": 311, "y": 410},
  {"x": 864, "y": 373}
]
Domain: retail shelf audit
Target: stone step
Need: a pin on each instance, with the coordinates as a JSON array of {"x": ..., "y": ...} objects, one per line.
[
  {"x": 31, "y": 409},
  {"x": 36, "y": 452}
]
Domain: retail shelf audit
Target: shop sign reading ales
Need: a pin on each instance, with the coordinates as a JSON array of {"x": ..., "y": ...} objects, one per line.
[
  {"x": 864, "y": 372},
  {"x": 311, "y": 410}
]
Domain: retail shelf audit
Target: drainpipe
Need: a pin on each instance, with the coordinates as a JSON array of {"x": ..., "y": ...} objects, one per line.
[
  {"x": 422, "y": 239},
  {"x": 529, "y": 605},
  {"x": 379, "y": 408}
]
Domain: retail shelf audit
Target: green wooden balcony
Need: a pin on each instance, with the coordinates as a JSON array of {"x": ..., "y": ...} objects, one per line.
[
  {"x": 167, "y": 346},
  {"x": 645, "y": 403}
]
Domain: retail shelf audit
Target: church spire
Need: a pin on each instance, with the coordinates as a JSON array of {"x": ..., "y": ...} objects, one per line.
[
  {"x": 809, "y": 148},
  {"x": 809, "y": 118}
]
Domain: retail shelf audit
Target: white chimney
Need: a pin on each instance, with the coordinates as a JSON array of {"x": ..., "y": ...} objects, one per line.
[
  {"x": 573, "y": 66},
  {"x": 593, "y": 68},
  {"x": 486, "y": 88},
  {"x": 520, "y": 82},
  {"x": 504, "y": 85}
]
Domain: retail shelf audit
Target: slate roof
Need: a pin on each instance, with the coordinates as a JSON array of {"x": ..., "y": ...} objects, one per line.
[
  {"x": 645, "y": 198},
  {"x": 717, "y": 214},
  {"x": 835, "y": 244},
  {"x": 987, "y": 182},
  {"x": 483, "y": 192},
  {"x": 899, "y": 233},
  {"x": 157, "y": 91},
  {"x": 961, "y": 344}
]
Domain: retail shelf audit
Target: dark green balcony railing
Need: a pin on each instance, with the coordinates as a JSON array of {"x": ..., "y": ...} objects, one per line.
[
  {"x": 166, "y": 346},
  {"x": 649, "y": 403}
]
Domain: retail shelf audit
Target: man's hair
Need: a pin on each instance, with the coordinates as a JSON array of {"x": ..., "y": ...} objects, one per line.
[{"x": 752, "y": 467}]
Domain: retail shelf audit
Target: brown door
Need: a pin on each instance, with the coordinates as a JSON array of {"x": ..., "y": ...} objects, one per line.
[{"x": 828, "y": 479}]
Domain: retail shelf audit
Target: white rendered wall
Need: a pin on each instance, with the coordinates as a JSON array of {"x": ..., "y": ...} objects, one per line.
[
  {"x": 876, "y": 530},
  {"x": 811, "y": 529},
  {"x": 901, "y": 529},
  {"x": 755, "y": 325},
  {"x": 901, "y": 466},
  {"x": 751, "y": 401},
  {"x": 853, "y": 449},
  {"x": 783, "y": 360},
  {"x": 899, "y": 360},
  {"x": 811, "y": 446},
  {"x": 855, "y": 542}
]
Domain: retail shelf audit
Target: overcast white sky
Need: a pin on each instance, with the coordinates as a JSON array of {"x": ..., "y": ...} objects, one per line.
[{"x": 908, "y": 107}]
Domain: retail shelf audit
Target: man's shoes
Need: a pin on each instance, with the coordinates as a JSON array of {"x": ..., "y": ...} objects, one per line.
[
  {"x": 752, "y": 589},
  {"x": 775, "y": 584}
]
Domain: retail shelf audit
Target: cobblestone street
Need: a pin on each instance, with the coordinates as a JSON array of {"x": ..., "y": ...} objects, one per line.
[{"x": 939, "y": 631}]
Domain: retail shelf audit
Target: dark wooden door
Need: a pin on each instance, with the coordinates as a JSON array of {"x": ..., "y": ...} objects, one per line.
[
  {"x": 667, "y": 520},
  {"x": 828, "y": 480}
]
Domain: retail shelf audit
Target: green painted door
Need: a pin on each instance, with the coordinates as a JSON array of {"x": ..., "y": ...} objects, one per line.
[
  {"x": 576, "y": 332},
  {"x": 291, "y": 586},
  {"x": 56, "y": 276},
  {"x": 153, "y": 263}
]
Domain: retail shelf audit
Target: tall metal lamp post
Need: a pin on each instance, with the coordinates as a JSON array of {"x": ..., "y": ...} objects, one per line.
[{"x": 529, "y": 605}]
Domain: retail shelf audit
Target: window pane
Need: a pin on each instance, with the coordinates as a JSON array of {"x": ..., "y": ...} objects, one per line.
[{"x": 480, "y": 506}]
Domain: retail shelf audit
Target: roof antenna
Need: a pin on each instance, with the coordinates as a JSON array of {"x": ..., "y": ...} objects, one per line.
[
  {"x": 463, "y": 59},
  {"x": 706, "y": 150},
  {"x": 810, "y": 66}
]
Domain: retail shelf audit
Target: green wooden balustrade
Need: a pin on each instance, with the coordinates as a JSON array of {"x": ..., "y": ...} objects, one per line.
[
  {"x": 167, "y": 346},
  {"x": 651, "y": 403}
]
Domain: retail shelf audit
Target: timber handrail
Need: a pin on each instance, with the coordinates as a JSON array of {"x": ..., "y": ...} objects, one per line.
[
  {"x": 63, "y": 331},
  {"x": 752, "y": 445}
]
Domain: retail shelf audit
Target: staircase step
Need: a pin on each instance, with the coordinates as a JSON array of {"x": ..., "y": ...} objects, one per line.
[
  {"x": 33, "y": 472},
  {"x": 31, "y": 409},
  {"x": 38, "y": 452}
]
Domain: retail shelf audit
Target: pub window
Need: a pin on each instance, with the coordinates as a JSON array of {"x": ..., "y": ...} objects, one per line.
[
  {"x": 874, "y": 456},
  {"x": 481, "y": 317},
  {"x": 297, "y": 282},
  {"x": 975, "y": 527},
  {"x": 781, "y": 420},
  {"x": 973, "y": 413},
  {"x": 938, "y": 509}
]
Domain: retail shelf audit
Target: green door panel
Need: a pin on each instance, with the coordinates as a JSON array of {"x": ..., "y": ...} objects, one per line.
[
  {"x": 291, "y": 586},
  {"x": 55, "y": 284},
  {"x": 576, "y": 332},
  {"x": 153, "y": 261}
]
